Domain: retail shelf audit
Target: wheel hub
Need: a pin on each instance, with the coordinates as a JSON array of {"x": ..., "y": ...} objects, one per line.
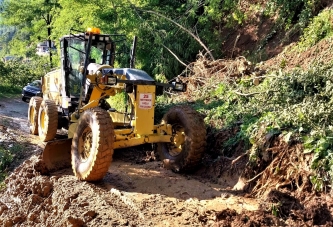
[
  {"x": 31, "y": 116},
  {"x": 43, "y": 120},
  {"x": 86, "y": 145},
  {"x": 176, "y": 146}
]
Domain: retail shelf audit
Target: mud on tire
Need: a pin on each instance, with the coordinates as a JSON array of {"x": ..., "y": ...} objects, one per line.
[
  {"x": 33, "y": 110},
  {"x": 188, "y": 147},
  {"x": 47, "y": 120},
  {"x": 92, "y": 145}
]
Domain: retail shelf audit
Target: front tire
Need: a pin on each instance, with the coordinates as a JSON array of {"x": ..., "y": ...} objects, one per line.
[
  {"x": 92, "y": 145},
  {"x": 33, "y": 110},
  {"x": 189, "y": 139},
  {"x": 47, "y": 120}
]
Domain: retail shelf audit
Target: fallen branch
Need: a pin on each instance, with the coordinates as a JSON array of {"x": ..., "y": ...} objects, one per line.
[{"x": 250, "y": 94}]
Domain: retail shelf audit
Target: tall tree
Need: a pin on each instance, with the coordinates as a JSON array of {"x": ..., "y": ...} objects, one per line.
[
  {"x": 32, "y": 18},
  {"x": 170, "y": 32}
]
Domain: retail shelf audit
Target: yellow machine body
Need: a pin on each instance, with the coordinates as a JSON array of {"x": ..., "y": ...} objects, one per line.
[
  {"x": 130, "y": 130},
  {"x": 142, "y": 129},
  {"x": 82, "y": 85}
]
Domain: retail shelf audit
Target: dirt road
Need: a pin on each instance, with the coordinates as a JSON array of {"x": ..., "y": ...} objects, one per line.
[
  {"x": 13, "y": 112},
  {"x": 136, "y": 191}
]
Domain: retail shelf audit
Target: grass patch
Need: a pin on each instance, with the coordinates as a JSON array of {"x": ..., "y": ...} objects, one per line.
[{"x": 7, "y": 91}]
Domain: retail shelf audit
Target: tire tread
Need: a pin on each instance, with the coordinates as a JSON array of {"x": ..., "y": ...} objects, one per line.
[
  {"x": 103, "y": 155},
  {"x": 195, "y": 142}
]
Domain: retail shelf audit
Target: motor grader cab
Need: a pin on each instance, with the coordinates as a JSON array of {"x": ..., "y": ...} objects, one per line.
[{"x": 74, "y": 98}]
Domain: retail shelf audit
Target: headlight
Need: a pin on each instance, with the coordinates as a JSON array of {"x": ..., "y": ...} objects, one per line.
[
  {"x": 178, "y": 86},
  {"x": 112, "y": 80},
  {"x": 108, "y": 79}
]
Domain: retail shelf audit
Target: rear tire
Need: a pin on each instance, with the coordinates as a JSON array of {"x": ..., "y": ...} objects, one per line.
[
  {"x": 47, "y": 120},
  {"x": 33, "y": 110},
  {"x": 92, "y": 145},
  {"x": 188, "y": 146}
]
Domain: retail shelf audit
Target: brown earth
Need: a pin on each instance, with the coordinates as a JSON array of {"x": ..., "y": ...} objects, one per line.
[{"x": 137, "y": 190}]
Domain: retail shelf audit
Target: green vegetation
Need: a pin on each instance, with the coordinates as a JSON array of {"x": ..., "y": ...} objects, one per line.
[
  {"x": 119, "y": 102},
  {"x": 296, "y": 105},
  {"x": 291, "y": 12},
  {"x": 320, "y": 27},
  {"x": 167, "y": 30},
  {"x": 15, "y": 74},
  {"x": 7, "y": 155}
]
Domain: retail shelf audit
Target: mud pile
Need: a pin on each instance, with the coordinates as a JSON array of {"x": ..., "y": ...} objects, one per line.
[{"x": 34, "y": 198}]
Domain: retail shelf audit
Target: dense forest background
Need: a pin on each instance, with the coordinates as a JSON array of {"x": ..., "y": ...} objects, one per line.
[{"x": 170, "y": 33}]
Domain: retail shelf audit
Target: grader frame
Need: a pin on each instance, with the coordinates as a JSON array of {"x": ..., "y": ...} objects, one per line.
[{"x": 75, "y": 98}]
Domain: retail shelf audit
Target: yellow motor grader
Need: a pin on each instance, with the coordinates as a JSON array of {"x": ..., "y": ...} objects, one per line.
[{"x": 74, "y": 99}]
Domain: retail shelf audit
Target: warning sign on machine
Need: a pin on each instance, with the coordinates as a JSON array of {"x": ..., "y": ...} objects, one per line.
[{"x": 145, "y": 101}]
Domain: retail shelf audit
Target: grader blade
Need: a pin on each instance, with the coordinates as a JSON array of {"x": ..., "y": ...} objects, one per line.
[{"x": 57, "y": 154}]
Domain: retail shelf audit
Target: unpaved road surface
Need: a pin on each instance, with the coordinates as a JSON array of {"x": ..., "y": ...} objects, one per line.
[
  {"x": 136, "y": 191},
  {"x": 13, "y": 113}
]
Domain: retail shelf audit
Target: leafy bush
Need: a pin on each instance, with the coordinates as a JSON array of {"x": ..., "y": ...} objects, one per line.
[
  {"x": 6, "y": 157},
  {"x": 296, "y": 104},
  {"x": 319, "y": 28},
  {"x": 299, "y": 103},
  {"x": 15, "y": 74},
  {"x": 292, "y": 12},
  {"x": 118, "y": 101}
]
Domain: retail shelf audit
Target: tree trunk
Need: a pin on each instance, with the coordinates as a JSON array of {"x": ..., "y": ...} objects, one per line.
[{"x": 48, "y": 22}]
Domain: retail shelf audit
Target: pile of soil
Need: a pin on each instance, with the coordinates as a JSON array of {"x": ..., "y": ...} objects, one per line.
[
  {"x": 36, "y": 197},
  {"x": 137, "y": 191}
]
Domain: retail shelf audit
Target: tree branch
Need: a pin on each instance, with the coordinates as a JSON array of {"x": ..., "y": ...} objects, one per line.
[
  {"x": 180, "y": 61},
  {"x": 44, "y": 18},
  {"x": 185, "y": 29}
]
